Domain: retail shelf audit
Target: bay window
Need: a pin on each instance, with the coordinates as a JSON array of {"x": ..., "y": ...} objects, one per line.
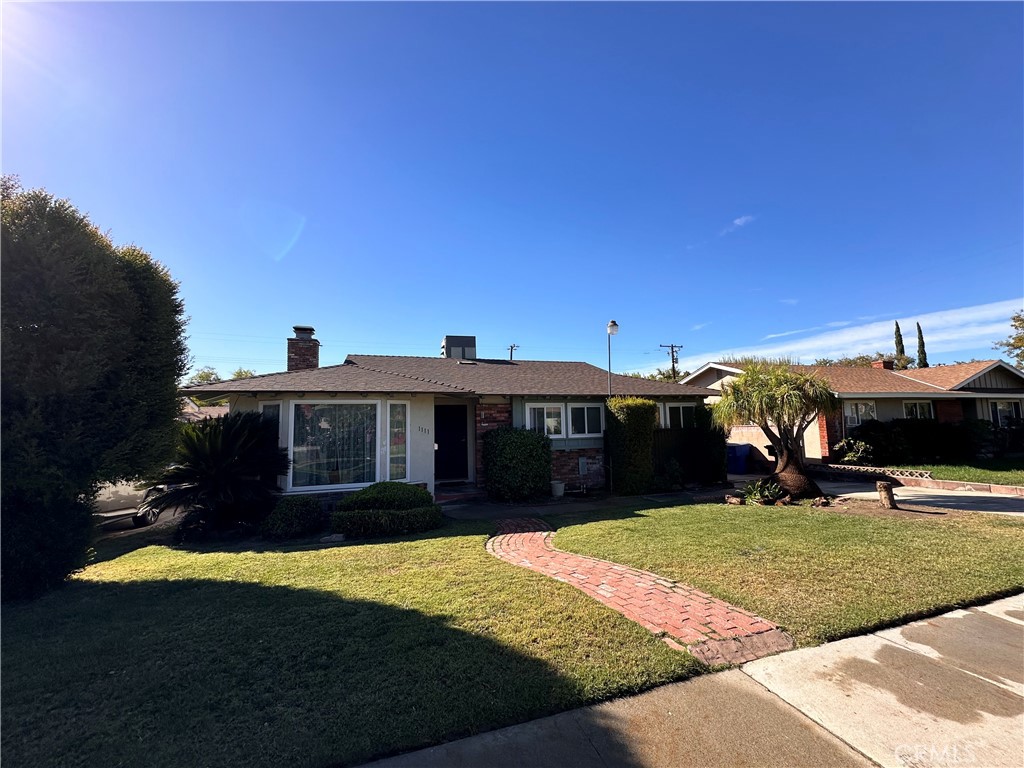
[{"x": 334, "y": 443}]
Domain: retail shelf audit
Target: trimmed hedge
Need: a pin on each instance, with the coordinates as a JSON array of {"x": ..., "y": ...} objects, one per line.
[
  {"x": 294, "y": 517},
  {"x": 387, "y": 495},
  {"x": 372, "y": 523},
  {"x": 517, "y": 464},
  {"x": 695, "y": 454},
  {"x": 629, "y": 443},
  {"x": 924, "y": 441}
]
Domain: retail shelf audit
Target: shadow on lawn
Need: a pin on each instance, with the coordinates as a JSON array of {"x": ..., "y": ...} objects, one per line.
[{"x": 191, "y": 672}]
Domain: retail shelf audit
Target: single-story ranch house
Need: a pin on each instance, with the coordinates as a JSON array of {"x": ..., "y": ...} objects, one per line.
[
  {"x": 986, "y": 389},
  {"x": 422, "y": 419}
]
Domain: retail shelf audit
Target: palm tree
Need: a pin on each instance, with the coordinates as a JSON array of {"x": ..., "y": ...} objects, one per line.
[
  {"x": 226, "y": 472},
  {"x": 783, "y": 404}
]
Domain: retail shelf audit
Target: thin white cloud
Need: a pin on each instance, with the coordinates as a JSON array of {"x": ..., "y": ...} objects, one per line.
[
  {"x": 789, "y": 301},
  {"x": 737, "y": 223},
  {"x": 698, "y": 326},
  {"x": 790, "y": 333},
  {"x": 948, "y": 330},
  {"x": 837, "y": 324}
]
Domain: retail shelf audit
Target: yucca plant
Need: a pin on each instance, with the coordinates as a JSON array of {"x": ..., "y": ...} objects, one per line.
[{"x": 225, "y": 475}]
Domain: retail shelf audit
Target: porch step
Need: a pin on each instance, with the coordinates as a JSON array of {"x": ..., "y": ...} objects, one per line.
[{"x": 459, "y": 494}]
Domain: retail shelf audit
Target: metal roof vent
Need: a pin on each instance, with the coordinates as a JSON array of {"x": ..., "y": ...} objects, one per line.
[{"x": 459, "y": 347}]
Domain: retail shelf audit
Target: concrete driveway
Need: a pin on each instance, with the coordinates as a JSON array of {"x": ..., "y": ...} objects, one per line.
[
  {"x": 947, "y": 691},
  {"x": 967, "y": 501}
]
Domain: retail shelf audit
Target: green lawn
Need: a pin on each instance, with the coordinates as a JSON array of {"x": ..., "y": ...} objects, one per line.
[
  {"x": 820, "y": 574},
  {"x": 1000, "y": 471},
  {"x": 332, "y": 655},
  {"x": 317, "y": 656}
]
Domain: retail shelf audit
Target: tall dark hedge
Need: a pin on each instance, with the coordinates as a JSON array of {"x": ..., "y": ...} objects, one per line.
[
  {"x": 517, "y": 464},
  {"x": 629, "y": 442},
  {"x": 92, "y": 348}
]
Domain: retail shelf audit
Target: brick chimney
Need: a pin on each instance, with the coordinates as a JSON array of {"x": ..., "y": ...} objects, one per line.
[
  {"x": 884, "y": 364},
  {"x": 303, "y": 350}
]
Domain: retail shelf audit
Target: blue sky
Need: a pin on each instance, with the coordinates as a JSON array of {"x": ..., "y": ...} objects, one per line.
[{"x": 786, "y": 178}]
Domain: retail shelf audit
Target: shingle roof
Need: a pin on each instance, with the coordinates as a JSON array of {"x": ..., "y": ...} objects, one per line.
[
  {"x": 923, "y": 381},
  {"x": 850, "y": 379},
  {"x": 381, "y": 373},
  {"x": 949, "y": 376},
  {"x": 346, "y": 377}
]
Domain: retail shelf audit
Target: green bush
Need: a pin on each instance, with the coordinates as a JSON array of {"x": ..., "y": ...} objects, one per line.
[
  {"x": 387, "y": 495},
  {"x": 920, "y": 441},
  {"x": 629, "y": 443},
  {"x": 850, "y": 451},
  {"x": 372, "y": 523},
  {"x": 294, "y": 517},
  {"x": 517, "y": 464},
  {"x": 763, "y": 491},
  {"x": 225, "y": 477}
]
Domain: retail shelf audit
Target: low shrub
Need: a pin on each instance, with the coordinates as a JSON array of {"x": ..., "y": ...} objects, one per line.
[
  {"x": 763, "y": 491},
  {"x": 294, "y": 517},
  {"x": 517, "y": 464},
  {"x": 850, "y": 451},
  {"x": 372, "y": 523},
  {"x": 387, "y": 495}
]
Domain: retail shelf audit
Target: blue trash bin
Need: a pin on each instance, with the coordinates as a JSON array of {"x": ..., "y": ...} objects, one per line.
[{"x": 736, "y": 461}]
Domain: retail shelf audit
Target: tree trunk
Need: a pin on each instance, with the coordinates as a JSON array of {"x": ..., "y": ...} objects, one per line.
[
  {"x": 885, "y": 497},
  {"x": 790, "y": 473}
]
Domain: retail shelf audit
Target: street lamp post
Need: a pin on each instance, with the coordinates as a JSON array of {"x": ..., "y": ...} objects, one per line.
[{"x": 613, "y": 328}]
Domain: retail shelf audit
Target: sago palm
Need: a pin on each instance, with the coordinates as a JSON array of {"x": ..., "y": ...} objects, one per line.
[{"x": 226, "y": 471}]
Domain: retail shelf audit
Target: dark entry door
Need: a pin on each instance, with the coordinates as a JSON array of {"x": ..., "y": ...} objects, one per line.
[{"x": 451, "y": 460}]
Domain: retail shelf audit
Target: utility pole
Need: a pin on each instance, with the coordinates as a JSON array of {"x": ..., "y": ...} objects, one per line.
[
  {"x": 512, "y": 348},
  {"x": 675, "y": 359}
]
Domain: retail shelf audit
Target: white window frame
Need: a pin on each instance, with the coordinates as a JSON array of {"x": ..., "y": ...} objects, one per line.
[
  {"x": 529, "y": 416},
  {"x": 280, "y": 421},
  {"x": 387, "y": 447},
  {"x": 1014, "y": 407},
  {"x": 291, "y": 445},
  {"x": 847, "y": 418},
  {"x": 664, "y": 416},
  {"x": 282, "y": 480},
  {"x": 918, "y": 403},
  {"x": 572, "y": 435}
]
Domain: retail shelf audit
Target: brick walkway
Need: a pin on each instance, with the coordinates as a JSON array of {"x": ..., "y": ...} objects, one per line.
[{"x": 712, "y": 630}]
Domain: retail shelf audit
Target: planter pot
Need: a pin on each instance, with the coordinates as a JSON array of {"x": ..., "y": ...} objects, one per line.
[{"x": 557, "y": 488}]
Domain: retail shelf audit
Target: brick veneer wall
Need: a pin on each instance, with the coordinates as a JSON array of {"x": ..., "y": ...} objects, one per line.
[
  {"x": 830, "y": 432},
  {"x": 949, "y": 411},
  {"x": 488, "y": 416},
  {"x": 565, "y": 466}
]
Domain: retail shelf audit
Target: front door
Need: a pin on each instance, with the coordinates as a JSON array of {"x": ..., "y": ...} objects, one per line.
[{"x": 451, "y": 460}]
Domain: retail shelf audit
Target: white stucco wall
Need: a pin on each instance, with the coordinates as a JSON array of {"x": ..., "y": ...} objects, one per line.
[{"x": 419, "y": 432}]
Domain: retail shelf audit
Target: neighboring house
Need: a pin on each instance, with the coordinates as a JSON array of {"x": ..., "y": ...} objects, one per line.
[
  {"x": 422, "y": 419},
  {"x": 193, "y": 411},
  {"x": 988, "y": 389}
]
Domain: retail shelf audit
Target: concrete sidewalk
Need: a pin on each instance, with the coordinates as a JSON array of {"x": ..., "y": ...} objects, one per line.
[
  {"x": 967, "y": 501},
  {"x": 940, "y": 692}
]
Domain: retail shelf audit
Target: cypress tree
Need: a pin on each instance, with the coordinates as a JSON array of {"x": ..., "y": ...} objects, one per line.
[
  {"x": 922, "y": 356},
  {"x": 900, "y": 349}
]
